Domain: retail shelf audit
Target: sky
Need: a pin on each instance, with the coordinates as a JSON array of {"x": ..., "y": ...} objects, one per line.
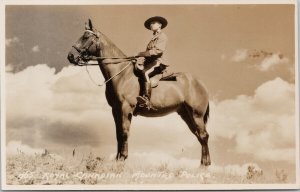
[
  {"x": 244, "y": 54},
  {"x": 204, "y": 40}
]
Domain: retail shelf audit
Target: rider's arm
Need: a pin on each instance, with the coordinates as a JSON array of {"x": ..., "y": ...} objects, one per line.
[{"x": 157, "y": 48}]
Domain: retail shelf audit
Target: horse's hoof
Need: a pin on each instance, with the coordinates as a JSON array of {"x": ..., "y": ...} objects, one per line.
[
  {"x": 205, "y": 164},
  {"x": 205, "y": 161},
  {"x": 121, "y": 157}
]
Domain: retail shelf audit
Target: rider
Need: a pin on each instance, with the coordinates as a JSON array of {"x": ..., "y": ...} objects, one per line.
[{"x": 153, "y": 55}]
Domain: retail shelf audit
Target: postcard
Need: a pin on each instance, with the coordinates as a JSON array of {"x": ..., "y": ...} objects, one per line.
[{"x": 181, "y": 95}]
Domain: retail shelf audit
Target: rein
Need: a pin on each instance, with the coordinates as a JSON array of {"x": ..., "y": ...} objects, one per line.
[
  {"x": 102, "y": 58},
  {"x": 100, "y": 85},
  {"x": 117, "y": 60}
]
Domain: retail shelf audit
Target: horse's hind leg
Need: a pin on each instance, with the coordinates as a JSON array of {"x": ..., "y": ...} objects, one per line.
[
  {"x": 202, "y": 136},
  {"x": 197, "y": 125}
]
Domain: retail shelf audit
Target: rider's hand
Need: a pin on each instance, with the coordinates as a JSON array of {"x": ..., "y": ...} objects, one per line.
[
  {"x": 144, "y": 54},
  {"x": 140, "y": 59}
]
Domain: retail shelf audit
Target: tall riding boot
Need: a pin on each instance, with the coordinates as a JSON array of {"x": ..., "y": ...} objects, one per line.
[
  {"x": 148, "y": 90},
  {"x": 145, "y": 99}
]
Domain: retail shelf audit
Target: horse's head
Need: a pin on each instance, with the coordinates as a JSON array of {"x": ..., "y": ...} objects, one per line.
[{"x": 87, "y": 46}]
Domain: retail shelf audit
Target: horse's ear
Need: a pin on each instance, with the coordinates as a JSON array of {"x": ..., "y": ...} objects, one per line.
[
  {"x": 90, "y": 24},
  {"x": 86, "y": 26}
]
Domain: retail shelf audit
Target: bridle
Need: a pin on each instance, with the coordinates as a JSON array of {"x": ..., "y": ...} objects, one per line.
[{"x": 84, "y": 58}]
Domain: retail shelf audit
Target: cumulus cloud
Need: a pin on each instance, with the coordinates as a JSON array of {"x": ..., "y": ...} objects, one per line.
[
  {"x": 271, "y": 61},
  {"x": 262, "y": 125},
  {"x": 264, "y": 60},
  {"x": 39, "y": 110},
  {"x": 240, "y": 55},
  {"x": 17, "y": 147},
  {"x": 9, "y": 68},
  {"x": 66, "y": 110},
  {"x": 9, "y": 42},
  {"x": 35, "y": 48}
]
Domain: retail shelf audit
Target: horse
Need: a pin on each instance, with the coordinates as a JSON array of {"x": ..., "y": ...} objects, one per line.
[{"x": 186, "y": 96}]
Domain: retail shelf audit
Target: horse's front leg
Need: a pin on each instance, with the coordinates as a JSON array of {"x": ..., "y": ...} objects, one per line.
[{"x": 122, "y": 118}]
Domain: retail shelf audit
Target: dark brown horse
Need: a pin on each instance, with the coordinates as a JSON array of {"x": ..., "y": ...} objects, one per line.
[{"x": 186, "y": 96}]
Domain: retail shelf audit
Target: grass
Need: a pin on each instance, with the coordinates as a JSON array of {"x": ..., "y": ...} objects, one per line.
[{"x": 48, "y": 169}]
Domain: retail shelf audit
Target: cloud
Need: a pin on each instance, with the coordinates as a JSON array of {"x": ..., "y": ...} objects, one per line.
[
  {"x": 9, "y": 42},
  {"x": 17, "y": 147},
  {"x": 268, "y": 95},
  {"x": 272, "y": 61},
  {"x": 66, "y": 110},
  {"x": 240, "y": 55},
  {"x": 264, "y": 60},
  {"x": 49, "y": 112},
  {"x": 9, "y": 68},
  {"x": 262, "y": 125},
  {"x": 35, "y": 48},
  {"x": 223, "y": 56},
  {"x": 260, "y": 54}
]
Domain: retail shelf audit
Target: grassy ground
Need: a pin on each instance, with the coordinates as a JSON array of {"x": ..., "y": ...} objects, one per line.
[{"x": 54, "y": 170}]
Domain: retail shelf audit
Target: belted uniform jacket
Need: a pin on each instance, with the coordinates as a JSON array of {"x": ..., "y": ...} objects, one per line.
[{"x": 157, "y": 46}]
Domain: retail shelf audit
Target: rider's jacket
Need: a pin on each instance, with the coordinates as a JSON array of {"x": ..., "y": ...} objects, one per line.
[{"x": 157, "y": 46}]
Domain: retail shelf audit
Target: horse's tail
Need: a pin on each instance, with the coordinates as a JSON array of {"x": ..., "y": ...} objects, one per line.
[{"x": 206, "y": 115}]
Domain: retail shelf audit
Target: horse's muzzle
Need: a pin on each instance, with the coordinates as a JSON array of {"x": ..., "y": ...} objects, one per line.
[{"x": 73, "y": 59}]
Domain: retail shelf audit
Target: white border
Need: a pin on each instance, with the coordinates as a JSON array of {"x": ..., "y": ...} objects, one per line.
[
  {"x": 297, "y": 123},
  {"x": 143, "y": 2},
  {"x": 153, "y": 187},
  {"x": 3, "y": 103},
  {"x": 148, "y": 186}
]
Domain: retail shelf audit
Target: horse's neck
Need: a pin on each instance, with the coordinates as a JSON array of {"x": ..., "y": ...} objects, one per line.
[{"x": 108, "y": 49}]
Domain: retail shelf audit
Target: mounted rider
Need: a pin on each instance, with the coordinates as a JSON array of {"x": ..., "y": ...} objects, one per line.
[{"x": 153, "y": 56}]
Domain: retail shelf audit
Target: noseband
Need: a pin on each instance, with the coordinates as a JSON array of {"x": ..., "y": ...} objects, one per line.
[{"x": 83, "y": 53}]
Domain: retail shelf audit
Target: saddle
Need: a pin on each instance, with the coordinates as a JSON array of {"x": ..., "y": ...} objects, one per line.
[
  {"x": 160, "y": 73},
  {"x": 164, "y": 76}
]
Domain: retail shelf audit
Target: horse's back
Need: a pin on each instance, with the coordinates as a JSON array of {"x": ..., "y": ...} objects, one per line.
[
  {"x": 186, "y": 89},
  {"x": 196, "y": 93}
]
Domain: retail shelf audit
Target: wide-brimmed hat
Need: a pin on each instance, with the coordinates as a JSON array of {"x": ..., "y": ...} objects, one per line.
[{"x": 162, "y": 20}]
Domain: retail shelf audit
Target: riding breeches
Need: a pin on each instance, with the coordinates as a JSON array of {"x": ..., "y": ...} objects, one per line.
[{"x": 149, "y": 69}]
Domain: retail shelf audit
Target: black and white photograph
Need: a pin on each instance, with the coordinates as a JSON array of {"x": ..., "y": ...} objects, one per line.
[{"x": 149, "y": 95}]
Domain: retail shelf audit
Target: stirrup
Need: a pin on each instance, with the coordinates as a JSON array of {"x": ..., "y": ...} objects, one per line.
[
  {"x": 142, "y": 100},
  {"x": 147, "y": 105}
]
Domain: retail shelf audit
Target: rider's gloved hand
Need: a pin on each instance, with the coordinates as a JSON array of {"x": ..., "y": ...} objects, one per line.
[
  {"x": 144, "y": 54},
  {"x": 140, "y": 60}
]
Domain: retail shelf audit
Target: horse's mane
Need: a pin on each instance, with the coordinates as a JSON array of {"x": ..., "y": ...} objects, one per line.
[{"x": 109, "y": 49}]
